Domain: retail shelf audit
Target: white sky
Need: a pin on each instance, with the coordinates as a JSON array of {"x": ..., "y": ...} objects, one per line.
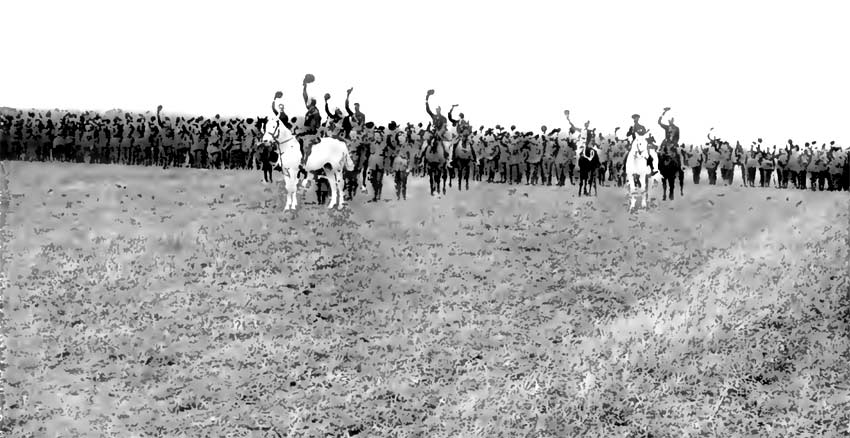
[{"x": 773, "y": 69}]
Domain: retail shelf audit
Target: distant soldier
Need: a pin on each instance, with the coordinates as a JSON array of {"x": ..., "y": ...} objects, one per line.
[
  {"x": 782, "y": 167},
  {"x": 712, "y": 159},
  {"x": 819, "y": 170},
  {"x": 604, "y": 159},
  {"x": 533, "y": 166},
  {"x": 835, "y": 167},
  {"x": 766, "y": 165},
  {"x": 504, "y": 156},
  {"x": 618, "y": 159},
  {"x": 751, "y": 164},
  {"x": 547, "y": 162},
  {"x": 695, "y": 159},
  {"x": 727, "y": 163},
  {"x": 401, "y": 168}
]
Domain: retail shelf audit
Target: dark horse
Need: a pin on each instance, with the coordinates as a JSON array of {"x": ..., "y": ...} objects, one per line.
[
  {"x": 670, "y": 167},
  {"x": 588, "y": 163}
]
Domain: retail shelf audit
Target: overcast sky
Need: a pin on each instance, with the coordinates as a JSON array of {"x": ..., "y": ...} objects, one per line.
[{"x": 771, "y": 69}]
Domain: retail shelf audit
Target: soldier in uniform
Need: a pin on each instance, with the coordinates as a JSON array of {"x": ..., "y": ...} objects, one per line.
[
  {"x": 751, "y": 163},
  {"x": 727, "y": 163},
  {"x": 712, "y": 160},
  {"x": 782, "y": 167},
  {"x": 766, "y": 166},
  {"x": 820, "y": 170},
  {"x": 604, "y": 160},
  {"x": 836, "y": 166},
  {"x": 401, "y": 168},
  {"x": 533, "y": 166},
  {"x": 504, "y": 156},
  {"x": 548, "y": 161}
]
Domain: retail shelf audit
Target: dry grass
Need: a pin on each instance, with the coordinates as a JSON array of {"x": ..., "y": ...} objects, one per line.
[{"x": 144, "y": 302}]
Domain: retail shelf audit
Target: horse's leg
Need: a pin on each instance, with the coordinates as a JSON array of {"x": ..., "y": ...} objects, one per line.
[
  {"x": 664, "y": 188},
  {"x": 681, "y": 182},
  {"x": 581, "y": 177},
  {"x": 289, "y": 186},
  {"x": 672, "y": 187},
  {"x": 332, "y": 186},
  {"x": 445, "y": 173},
  {"x": 595, "y": 189}
]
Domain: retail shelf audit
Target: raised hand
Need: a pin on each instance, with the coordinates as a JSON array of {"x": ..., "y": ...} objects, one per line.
[
  {"x": 350, "y": 90},
  {"x": 327, "y": 96},
  {"x": 429, "y": 93},
  {"x": 278, "y": 95}
]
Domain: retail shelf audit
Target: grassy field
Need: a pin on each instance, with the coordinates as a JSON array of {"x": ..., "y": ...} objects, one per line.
[{"x": 143, "y": 302}]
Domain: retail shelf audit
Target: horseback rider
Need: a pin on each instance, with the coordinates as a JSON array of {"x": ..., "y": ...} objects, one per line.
[
  {"x": 671, "y": 136},
  {"x": 356, "y": 119},
  {"x": 439, "y": 123},
  {"x": 639, "y": 131}
]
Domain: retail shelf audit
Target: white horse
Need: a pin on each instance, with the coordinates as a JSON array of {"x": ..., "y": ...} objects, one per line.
[
  {"x": 637, "y": 167},
  {"x": 289, "y": 157},
  {"x": 332, "y": 156}
]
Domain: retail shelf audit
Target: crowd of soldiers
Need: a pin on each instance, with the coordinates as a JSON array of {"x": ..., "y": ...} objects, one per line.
[{"x": 494, "y": 155}]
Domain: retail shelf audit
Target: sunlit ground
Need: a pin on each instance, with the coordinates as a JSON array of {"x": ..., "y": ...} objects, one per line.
[{"x": 144, "y": 302}]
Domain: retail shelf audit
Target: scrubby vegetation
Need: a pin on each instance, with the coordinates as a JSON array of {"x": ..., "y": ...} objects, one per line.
[{"x": 184, "y": 303}]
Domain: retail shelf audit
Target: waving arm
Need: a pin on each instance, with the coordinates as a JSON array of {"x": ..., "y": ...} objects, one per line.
[
  {"x": 347, "y": 108},
  {"x": 567, "y": 114},
  {"x": 454, "y": 122}
]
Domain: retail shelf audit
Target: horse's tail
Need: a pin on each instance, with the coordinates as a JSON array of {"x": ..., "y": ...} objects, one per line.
[{"x": 348, "y": 163}]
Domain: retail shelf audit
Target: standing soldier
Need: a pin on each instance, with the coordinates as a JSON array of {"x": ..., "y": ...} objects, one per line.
[
  {"x": 376, "y": 164},
  {"x": 491, "y": 156},
  {"x": 465, "y": 158},
  {"x": 695, "y": 159},
  {"x": 367, "y": 138},
  {"x": 533, "y": 160},
  {"x": 767, "y": 164},
  {"x": 401, "y": 168},
  {"x": 782, "y": 167},
  {"x": 836, "y": 165},
  {"x": 182, "y": 143},
  {"x": 604, "y": 159},
  {"x": 167, "y": 138},
  {"x": 504, "y": 156},
  {"x": 751, "y": 164},
  {"x": 197, "y": 143},
  {"x": 794, "y": 167},
  {"x": 127, "y": 139},
  {"x": 141, "y": 148},
  {"x": 87, "y": 141},
  {"x": 712, "y": 159},
  {"x": 811, "y": 165},
  {"x": 16, "y": 145},
  {"x": 822, "y": 167},
  {"x": 845, "y": 174},
  {"x": 618, "y": 159},
  {"x": 727, "y": 163}
]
